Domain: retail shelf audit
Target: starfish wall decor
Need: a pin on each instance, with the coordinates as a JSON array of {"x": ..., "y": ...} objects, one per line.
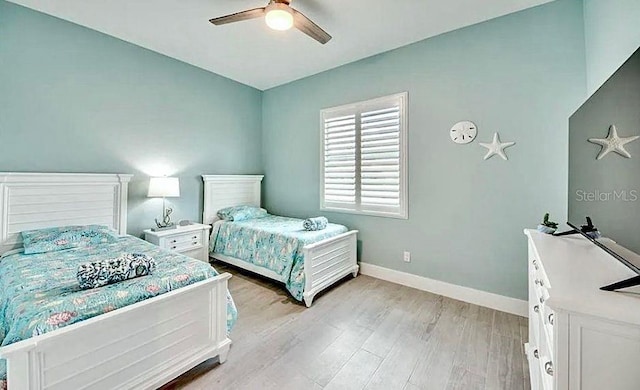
[
  {"x": 613, "y": 143},
  {"x": 496, "y": 147}
]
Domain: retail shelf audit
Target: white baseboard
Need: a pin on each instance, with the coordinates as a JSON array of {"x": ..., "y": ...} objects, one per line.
[{"x": 465, "y": 294}]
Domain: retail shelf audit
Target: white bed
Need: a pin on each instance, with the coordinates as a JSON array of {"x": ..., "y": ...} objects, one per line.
[
  {"x": 140, "y": 346},
  {"x": 325, "y": 262}
]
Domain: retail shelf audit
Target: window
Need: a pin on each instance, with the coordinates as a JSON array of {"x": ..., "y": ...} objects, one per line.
[{"x": 364, "y": 157}]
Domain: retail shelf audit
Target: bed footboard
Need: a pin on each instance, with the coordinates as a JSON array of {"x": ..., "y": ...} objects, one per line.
[
  {"x": 140, "y": 346},
  {"x": 327, "y": 261}
]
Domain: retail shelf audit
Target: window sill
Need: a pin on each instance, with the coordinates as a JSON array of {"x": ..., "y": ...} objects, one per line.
[{"x": 403, "y": 215}]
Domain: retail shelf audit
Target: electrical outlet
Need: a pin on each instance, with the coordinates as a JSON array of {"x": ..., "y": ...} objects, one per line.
[{"x": 407, "y": 257}]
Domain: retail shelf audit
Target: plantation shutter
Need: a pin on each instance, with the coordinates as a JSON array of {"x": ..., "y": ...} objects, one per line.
[
  {"x": 380, "y": 157},
  {"x": 364, "y": 157},
  {"x": 340, "y": 160}
]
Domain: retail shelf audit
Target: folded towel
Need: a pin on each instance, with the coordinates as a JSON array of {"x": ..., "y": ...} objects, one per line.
[
  {"x": 123, "y": 267},
  {"x": 317, "y": 223}
]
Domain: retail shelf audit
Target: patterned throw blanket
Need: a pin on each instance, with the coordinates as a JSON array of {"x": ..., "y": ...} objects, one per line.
[{"x": 124, "y": 267}]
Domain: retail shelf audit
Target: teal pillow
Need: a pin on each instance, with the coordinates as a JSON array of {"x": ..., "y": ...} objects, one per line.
[
  {"x": 241, "y": 213},
  {"x": 66, "y": 237}
]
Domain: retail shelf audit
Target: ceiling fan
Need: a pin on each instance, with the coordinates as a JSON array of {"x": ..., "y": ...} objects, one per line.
[{"x": 278, "y": 15}]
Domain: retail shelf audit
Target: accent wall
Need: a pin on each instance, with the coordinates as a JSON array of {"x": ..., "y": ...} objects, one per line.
[
  {"x": 612, "y": 34},
  {"x": 521, "y": 75},
  {"x": 75, "y": 100}
]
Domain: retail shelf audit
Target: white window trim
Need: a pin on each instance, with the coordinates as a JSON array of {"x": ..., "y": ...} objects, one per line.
[{"x": 403, "y": 212}]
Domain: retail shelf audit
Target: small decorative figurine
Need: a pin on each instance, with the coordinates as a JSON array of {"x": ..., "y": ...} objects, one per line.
[
  {"x": 547, "y": 226},
  {"x": 166, "y": 219}
]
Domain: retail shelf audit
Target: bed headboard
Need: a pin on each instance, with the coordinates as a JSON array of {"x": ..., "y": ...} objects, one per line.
[
  {"x": 40, "y": 200},
  {"x": 222, "y": 191}
]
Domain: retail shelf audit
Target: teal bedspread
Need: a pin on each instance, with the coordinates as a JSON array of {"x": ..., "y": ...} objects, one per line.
[
  {"x": 271, "y": 242},
  {"x": 39, "y": 293}
]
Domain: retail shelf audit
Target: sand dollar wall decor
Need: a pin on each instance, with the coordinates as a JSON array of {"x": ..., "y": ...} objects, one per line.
[{"x": 463, "y": 132}]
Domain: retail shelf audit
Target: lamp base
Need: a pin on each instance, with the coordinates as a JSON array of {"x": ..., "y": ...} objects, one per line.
[{"x": 159, "y": 229}]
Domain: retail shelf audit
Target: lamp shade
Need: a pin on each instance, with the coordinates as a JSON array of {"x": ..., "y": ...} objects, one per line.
[{"x": 164, "y": 187}]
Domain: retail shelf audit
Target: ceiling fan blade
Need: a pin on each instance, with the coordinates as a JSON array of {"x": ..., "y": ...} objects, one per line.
[
  {"x": 239, "y": 16},
  {"x": 305, "y": 25}
]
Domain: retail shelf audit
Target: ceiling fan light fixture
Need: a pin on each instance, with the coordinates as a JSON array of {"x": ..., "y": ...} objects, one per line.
[{"x": 278, "y": 17}]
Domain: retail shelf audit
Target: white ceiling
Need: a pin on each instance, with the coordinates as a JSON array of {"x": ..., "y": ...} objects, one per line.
[{"x": 251, "y": 53}]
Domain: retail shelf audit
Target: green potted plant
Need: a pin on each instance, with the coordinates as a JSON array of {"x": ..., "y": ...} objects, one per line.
[{"x": 547, "y": 226}]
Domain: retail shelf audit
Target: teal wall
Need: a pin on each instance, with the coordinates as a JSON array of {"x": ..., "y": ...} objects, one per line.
[
  {"x": 75, "y": 100},
  {"x": 521, "y": 75},
  {"x": 72, "y": 99},
  {"x": 612, "y": 34}
]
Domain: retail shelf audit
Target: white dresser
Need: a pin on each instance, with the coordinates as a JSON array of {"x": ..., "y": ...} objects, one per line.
[
  {"x": 191, "y": 240},
  {"x": 579, "y": 336}
]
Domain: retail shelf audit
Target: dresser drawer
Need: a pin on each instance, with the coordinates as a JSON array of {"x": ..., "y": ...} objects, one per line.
[
  {"x": 541, "y": 340},
  {"x": 538, "y": 274},
  {"x": 534, "y": 324},
  {"x": 548, "y": 319},
  {"x": 540, "y": 368},
  {"x": 545, "y": 356},
  {"x": 533, "y": 356}
]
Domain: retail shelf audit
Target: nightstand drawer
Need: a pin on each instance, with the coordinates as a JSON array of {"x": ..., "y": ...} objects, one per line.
[
  {"x": 184, "y": 241},
  {"x": 185, "y": 246},
  {"x": 191, "y": 240}
]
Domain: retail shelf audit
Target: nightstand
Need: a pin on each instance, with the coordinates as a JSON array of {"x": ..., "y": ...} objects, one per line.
[{"x": 191, "y": 240}]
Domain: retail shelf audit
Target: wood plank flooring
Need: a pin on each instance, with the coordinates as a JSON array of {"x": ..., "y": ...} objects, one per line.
[{"x": 363, "y": 334}]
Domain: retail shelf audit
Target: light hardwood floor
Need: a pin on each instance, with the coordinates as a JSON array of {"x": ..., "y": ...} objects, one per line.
[{"x": 363, "y": 334}]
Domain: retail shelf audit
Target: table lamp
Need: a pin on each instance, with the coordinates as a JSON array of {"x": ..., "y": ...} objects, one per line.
[{"x": 164, "y": 187}]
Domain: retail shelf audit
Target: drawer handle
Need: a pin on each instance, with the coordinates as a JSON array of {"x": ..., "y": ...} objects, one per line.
[
  {"x": 551, "y": 318},
  {"x": 536, "y": 309},
  {"x": 535, "y": 264},
  {"x": 539, "y": 282},
  {"x": 194, "y": 237},
  {"x": 174, "y": 241},
  {"x": 173, "y": 247},
  {"x": 194, "y": 243},
  {"x": 536, "y": 354},
  {"x": 541, "y": 300},
  {"x": 548, "y": 368}
]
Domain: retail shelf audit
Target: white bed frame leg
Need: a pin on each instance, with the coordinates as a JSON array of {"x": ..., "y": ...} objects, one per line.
[
  {"x": 328, "y": 261},
  {"x": 224, "y": 352},
  {"x": 308, "y": 300}
]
